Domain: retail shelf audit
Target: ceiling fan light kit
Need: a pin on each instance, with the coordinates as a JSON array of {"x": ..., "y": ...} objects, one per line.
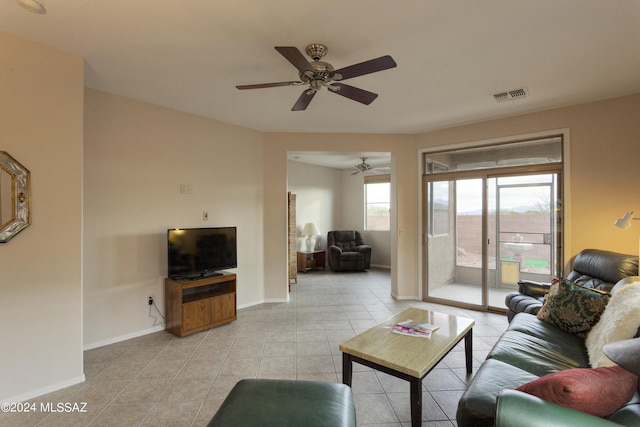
[
  {"x": 316, "y": 51},
  {"x": 362, "y": 167},
  {"x": 319, "y": 74},
  {"x": 33, "y": 6}
]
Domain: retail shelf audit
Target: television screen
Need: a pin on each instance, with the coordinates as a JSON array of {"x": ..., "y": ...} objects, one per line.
[{"x": 201, "y": 252}]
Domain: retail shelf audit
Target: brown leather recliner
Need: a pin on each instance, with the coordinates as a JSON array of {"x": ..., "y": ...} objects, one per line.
[{"x": 347, "y": 251}]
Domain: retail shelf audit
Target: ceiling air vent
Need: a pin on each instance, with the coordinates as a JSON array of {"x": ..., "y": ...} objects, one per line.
[{"x": 511, "y": 95}]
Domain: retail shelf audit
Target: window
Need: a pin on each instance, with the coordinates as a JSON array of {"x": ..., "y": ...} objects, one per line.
[
  {"x": 439, "y": 208},
  {"x": 438, "y": 200},
  {"x": 522, "y": 153},
  {"x": 377, "y": 201}
]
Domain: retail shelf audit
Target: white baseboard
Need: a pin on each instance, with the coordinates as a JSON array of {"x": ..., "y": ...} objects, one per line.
[
  {"x": 252, "y": 304},
  {"x": 405, "y": 297},
  {"x": 161, "y": 328},
  {"x": 385, "y": 267},
  {"x": 123, "y": 337},
  {"x": 45, "y": 390}
]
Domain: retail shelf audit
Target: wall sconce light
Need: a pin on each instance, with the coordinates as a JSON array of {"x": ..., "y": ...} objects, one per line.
[{"x": 625, "y": 222}]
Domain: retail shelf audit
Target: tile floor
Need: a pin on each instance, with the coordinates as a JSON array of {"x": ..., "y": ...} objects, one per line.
[{"x": 162, "y": 380}]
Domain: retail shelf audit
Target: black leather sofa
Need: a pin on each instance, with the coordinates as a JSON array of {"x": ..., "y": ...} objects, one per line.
[
  {"x": 592, "y": 268},
  {"x": 531, "y": 348},
  {"x": 528, "y": 350}
]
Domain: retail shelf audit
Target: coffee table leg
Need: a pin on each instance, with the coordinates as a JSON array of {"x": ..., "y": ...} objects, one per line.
[
  {"x": 347, "y": 369},
  {"x": 468, "y": 349},
  {"x": 416, "y": 402}
]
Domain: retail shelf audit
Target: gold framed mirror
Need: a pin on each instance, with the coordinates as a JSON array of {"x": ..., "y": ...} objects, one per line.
[{"x": 15, "y": 197}]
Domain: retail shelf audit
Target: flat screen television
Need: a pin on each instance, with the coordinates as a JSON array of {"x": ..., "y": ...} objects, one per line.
[{"x": 201, "y": 252}]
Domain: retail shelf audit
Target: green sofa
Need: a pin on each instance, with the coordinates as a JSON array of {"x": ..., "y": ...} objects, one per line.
[
  {"x": 518, "y": 409},
  {"x": 286, "y": 403},
  {"x": 529, "y": 349}
]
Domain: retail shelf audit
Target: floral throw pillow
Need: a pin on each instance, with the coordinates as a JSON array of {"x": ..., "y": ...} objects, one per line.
[{"x": 572, "y": 308}]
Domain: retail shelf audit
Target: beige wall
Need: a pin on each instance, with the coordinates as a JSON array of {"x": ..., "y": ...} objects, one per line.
[
  {"x": 40, "y": 269},
  {"x": 317, "y": 191},
  {"x": 603, "y": 167},
  {"x": 136, "y": 157}
]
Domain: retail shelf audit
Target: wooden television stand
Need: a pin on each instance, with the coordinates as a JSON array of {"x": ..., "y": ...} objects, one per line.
[{"x": 195, "y": 305}]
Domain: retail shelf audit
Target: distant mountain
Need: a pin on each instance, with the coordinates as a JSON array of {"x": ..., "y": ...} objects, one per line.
[{"x": 522, "y": 209}]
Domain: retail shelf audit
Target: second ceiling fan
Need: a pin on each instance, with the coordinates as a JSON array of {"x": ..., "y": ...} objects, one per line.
[
  {"x": 319, "y": 74},
  {"x": 362, "y": 167}
]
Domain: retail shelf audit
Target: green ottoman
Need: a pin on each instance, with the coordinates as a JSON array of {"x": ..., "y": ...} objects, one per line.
[{"x": 259, "y": 402}]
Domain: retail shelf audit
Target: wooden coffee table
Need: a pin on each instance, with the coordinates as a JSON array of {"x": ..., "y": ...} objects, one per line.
[{"x": 406, "y": 357}]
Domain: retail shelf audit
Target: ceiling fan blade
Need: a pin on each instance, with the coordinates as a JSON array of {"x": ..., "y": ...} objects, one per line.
[
  {"x": 303, "y": 101},
  {"x": 366, "y": 67},
  {"x": 360, "y": 95},
  {"x": 297, "y": 59},
  {"x": 265, "y": 85}
]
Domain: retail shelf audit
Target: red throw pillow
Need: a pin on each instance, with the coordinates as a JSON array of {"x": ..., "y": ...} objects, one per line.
[{"x": 596, "y": 391}]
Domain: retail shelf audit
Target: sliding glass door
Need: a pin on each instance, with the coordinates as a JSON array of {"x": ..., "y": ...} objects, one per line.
[
  {"x": 485, "y": 229},
  {"x": 524, "y": 230},
  {"x": 455, "y": 240}
]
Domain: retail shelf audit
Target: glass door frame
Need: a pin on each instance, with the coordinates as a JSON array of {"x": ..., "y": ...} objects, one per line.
[{"x": 485, "y": 174}]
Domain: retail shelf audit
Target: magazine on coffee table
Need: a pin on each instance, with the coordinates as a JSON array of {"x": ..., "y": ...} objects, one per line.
[{"x": 414, "y": 329}]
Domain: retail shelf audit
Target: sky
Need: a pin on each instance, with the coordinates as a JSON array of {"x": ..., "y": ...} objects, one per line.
[{"x": 517, "y": 192}]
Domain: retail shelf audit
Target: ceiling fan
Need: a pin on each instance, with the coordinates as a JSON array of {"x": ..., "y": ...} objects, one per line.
[
  {"x": 319, "y": 74},
  {"x": 362, "y": 167}
]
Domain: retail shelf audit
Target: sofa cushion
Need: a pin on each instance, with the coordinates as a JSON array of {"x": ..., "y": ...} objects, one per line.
[
  {"x": 531, "y": 325},
  {"x": 351, "y": 256},
  {"x": 519, "y": 303},
  {"x": 619, "y": 321},
  {"x": 629, "y": 414},
  {"x": 537, "y": 355},
  {"x": 345, "y": 240},
  {"x": 606, "y": 267},
  {"x": 477, "y": 406},
  {"x": 572, "y": 308},
  {"x": 597, "y": 391}
]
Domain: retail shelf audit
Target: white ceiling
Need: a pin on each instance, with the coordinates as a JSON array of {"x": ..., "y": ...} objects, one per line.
[
  {"x": 451, "y": 55},
  {"x": 379, "y": 162}
]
